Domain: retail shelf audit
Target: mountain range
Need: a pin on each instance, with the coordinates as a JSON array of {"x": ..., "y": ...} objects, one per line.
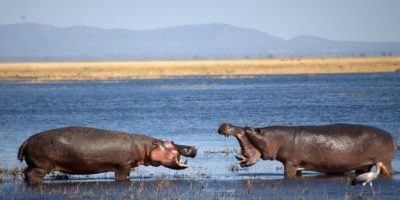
[{"x": 38, "y": 42}]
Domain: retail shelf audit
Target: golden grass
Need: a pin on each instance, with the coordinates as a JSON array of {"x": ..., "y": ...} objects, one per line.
[{"x": 67, "y": 71}]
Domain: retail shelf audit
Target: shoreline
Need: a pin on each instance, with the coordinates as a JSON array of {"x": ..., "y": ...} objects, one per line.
[{"x": 130, "y": 70}]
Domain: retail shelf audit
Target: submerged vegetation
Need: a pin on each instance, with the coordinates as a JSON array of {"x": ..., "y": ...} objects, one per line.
[{"x": 69, "y": 71}]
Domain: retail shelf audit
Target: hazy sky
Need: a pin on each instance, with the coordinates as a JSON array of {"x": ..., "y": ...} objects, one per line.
[{"x": 366, "y": 20}]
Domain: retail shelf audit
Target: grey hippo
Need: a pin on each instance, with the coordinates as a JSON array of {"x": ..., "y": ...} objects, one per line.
[
  {"x": 84, "y": 150},
  {"x": 331, "y": 149}
]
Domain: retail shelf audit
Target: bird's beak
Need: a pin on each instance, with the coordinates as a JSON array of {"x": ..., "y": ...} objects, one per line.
[{"x": 385, "y": 170}]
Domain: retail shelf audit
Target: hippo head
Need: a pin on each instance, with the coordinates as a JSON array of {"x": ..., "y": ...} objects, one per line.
[
  {"x": 187, "y": 151},
  {"x": 167, "y": 154},
  {"x": 229, "y": 129},
  {"x": 263, "y": 142},
  {"x": 249, "y": 154}
]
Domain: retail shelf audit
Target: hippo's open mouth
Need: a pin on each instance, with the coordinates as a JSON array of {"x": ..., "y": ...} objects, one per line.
[
  {"x": 169, "y": 154},
  {"x": 242, "y": 160},
  {"x": 181, "y": 164},
  {"x": 175, "y": 163},
  {"x": 249, "y": 154},
  {"x": 248, "y": 157}
]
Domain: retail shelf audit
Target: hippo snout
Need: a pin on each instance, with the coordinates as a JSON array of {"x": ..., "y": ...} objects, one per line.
[
  {"x": 229, "y": 129},
  {"x": 224, "y": 128},
  {"x": 187, "y": 151},
  {"x": 190, "y": 152}
]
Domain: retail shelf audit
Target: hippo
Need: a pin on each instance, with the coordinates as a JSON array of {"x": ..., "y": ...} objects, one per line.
[
  {"x": 85, "y": 150},
  {"x": 331, "y": 149}
]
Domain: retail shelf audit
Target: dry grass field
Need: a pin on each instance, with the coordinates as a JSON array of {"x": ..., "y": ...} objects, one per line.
[{"x": 70, "y": 71}]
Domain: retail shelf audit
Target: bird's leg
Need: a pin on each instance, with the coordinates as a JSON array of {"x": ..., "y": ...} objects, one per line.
[
  {"x": 372, "y": 188},
  {"x": 362, "y": 189}
]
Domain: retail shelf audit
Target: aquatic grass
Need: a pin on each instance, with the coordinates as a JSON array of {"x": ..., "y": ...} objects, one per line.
[
  {"x": 234, "y": 168},
  {"x": 16, "y": 172},
  {"x": 192, "y": 186},
  {"x": 176, "y": 189},
  {"x": 226, "y": 151},
  {"x": 1, "y": 173},
  {"x": 249, "y": 186},
  {"x": 9, "y": 173}
]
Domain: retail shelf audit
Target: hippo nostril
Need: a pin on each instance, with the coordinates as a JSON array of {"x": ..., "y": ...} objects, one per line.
[
  {"x": 223, "y": 128},
  {"x": 193, "y": 152}
]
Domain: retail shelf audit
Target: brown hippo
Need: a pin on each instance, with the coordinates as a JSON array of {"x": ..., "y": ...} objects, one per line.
[
  {"x": 83, "y": 150},
  {"x": 332, "y": 149}
]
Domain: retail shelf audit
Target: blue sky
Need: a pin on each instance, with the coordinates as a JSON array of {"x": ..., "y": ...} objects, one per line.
[{"x": 360, "y": 20}]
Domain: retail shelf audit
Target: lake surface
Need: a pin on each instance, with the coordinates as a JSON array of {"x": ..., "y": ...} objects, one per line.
[{"x": 189, "y": 111}]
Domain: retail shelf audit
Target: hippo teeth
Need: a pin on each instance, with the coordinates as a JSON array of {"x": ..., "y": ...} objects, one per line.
[
  {"x": 240, "y": 157},
  {"x": 183, "y": 164},
  {"x": 244, "y": 163}
]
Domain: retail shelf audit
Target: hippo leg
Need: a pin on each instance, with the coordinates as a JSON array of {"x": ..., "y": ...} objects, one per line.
[
  {"x": 24, "y": 173},
  {"x": 122, "y": 173},
  {"x": 299, "y": 173},
  {"x": 290, "y": 170},
  {"x": 34, "y": 176}
]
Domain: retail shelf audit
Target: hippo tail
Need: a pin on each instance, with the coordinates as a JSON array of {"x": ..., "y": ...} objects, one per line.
[{"x": 21, "y": 151}]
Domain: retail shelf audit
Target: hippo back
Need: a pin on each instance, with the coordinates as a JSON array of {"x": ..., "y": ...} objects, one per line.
[
  {"x": 84, "y": 150},
  {"x": 339, "y": 147}
]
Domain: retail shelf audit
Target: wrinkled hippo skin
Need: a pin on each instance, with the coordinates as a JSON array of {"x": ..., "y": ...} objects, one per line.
[
  {"x": 331, "y": 149},
  {"x": 84, "y": 150}
]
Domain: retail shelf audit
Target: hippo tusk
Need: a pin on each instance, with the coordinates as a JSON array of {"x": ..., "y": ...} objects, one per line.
[
  {"x": 242, "y": 163},
  {"x": 240, "y": 157},
  {"x": 242, "y": 160},
  {"x": 182, "y": 164}
]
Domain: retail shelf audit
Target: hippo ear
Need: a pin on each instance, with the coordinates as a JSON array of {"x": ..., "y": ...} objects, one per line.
[
  {"x": 156, "y": 144},
  {"x": 249, "y": 130},
  {"x": 167, "y": 141}
]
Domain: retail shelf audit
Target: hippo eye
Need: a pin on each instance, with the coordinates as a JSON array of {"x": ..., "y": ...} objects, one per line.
[{"x": 156, "y": 145}]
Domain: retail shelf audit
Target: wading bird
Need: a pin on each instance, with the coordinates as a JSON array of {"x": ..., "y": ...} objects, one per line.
[{"x": 368, "y": 177}]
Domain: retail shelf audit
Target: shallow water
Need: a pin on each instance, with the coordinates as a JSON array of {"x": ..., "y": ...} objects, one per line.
[
  {"x": 189, "y": 111},
  {"x": 304, "y": 188}
]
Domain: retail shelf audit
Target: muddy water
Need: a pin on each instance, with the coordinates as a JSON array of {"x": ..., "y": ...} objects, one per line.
[{"x": 189, "y": 111}]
